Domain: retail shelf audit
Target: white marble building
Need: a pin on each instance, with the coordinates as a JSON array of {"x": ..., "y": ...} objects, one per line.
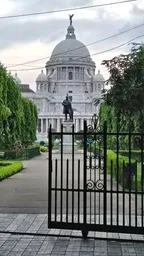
[{"x": 71, "y": 70}]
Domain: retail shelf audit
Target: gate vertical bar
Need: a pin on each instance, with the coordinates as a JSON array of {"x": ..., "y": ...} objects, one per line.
[
  {"x": 142, "y": 176},
  {"x": 117, "y": 173},
  {"x": 73, "y": 169},
  {"x": 85, "y": 174},
  {"x": 111, "y": 195},
  {"x": 56, "y": 181},
  {"x": 50, "y": 176},
  {"x": 105, "y": 173},
  {"x": 129, "y": 176},
  {"x": 123, "y": 195},
  {"x": 67, "y": 187},
  {"x": 79, "y": 190},
  {"x": 61, "y": 192}
]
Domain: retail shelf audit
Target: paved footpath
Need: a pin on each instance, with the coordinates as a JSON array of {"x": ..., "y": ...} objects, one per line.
[
  {"x": 22, "y": 197},
  {"x": 12, "y": 245},
  {"x": 49, "y": 242},
  {"x": 27, "y": 191}
]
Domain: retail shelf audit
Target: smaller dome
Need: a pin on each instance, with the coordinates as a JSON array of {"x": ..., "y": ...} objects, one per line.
[
  {"x": 17, "y": 79},
  {"x": 70, "y": 28},
  {"x": 70, "y": 32},
  {"x": 41, "y": 77},
  {"x": 99, "y": 77}
]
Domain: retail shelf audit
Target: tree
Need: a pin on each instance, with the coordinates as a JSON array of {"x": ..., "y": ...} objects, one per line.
[
  {"x": 127, "y": 85},
  {"x": 18, "y": 116},
  {"x": 29, "y": 121}
]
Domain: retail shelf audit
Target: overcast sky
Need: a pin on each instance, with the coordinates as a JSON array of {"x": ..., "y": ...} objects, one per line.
[{"x": 29, "y": 38}]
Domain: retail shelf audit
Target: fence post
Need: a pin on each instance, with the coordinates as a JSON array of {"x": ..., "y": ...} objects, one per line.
[
  {"x": 85, "y": 231},
  {"x": 105, "y": 172},
  {"x": 49, "y": 175}
]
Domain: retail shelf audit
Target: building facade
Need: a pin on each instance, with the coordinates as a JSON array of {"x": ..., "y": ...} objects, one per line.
[{"x": 70, "y": 70}]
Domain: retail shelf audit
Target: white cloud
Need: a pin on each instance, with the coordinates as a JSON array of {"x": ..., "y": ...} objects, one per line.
[{"x": 30, "y": 38}]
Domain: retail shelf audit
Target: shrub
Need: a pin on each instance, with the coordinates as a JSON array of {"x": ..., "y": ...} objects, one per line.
[
  {"x": 94, "y": 147},
  {"x": 2, "y": 154},
  {"x": 112, "y": 158},
  {"x": 15, "y": 151},
  {"x": 80, "y": 144},
  {"x": 4, "y": 164},
  {"x": 8, "y": 169},
  {"x": 135, "y": 154},
  {"x": 80, "y": 136},
  {"x": 42, "y": 143},
  {"x": 43, "y": 149}
]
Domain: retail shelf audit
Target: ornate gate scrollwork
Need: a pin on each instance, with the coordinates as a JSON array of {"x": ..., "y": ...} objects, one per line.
[
  {"x": 94, "y": 155},
  {"x": 98, "y": 185}
]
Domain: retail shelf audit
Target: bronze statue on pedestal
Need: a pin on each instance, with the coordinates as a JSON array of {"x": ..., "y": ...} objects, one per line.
[{"x": 67, "y": 109}]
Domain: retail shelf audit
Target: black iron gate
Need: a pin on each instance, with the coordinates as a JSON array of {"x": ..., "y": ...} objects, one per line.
[{"x": 97, "y": 186}]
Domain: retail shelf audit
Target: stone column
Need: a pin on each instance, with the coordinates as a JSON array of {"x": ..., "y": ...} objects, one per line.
[
  {"x": 46, "y": 125},
  {"x": 81, "y": 122},
  {"x": 58, "y": 125},
  {"x": 41, "y": 125},
  {"x": 66, "y": 73},
  {"x": 77, "y": 125},
  {"x": 74, "y": 73},
  {"x": 52, "y": 123}
]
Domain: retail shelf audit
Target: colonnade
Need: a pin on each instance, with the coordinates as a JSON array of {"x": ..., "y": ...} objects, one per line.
[{"x": 44, "y": 123}]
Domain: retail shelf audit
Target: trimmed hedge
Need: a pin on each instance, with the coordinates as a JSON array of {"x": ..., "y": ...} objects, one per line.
[
  {"x": 135, "y": 154},
  {"x": 8, "y": 169},
  {"x": 139, "y": 179},
  {"x": 112, "y": 157},
  {"x": 43, "y": 149}
]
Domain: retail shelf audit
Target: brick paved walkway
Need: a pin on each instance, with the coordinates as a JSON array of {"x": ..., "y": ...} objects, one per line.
[
  {"x": 13, "y": 245},
  {"x": 26, "y": 245}
]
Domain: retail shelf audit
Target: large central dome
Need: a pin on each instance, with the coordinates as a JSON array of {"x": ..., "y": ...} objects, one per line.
[
  {"x": 71, "y": 48},
  {"x": 70, "y": 51}
]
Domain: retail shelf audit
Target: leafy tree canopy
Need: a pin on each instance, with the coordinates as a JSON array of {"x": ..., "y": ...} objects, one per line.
[
  {"x": 127, "y": 83},
  {"x": 18, "y": 116}
]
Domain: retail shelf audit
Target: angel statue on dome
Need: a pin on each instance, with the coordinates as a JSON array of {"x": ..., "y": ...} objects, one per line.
[{"x": 70, "y": 17}]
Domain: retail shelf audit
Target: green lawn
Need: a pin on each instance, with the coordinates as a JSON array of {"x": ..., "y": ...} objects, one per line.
[{"x": 9, "y": 168}]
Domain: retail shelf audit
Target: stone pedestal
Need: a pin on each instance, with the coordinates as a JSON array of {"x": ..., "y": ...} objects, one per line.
[{"x": 67, "y": 138}]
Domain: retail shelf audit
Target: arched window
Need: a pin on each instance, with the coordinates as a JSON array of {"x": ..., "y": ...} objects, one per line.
[
  {"x": 99, "y": 87},
  {"x": 70, "y": 75},
  {"x": 41, "y": 87}
]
